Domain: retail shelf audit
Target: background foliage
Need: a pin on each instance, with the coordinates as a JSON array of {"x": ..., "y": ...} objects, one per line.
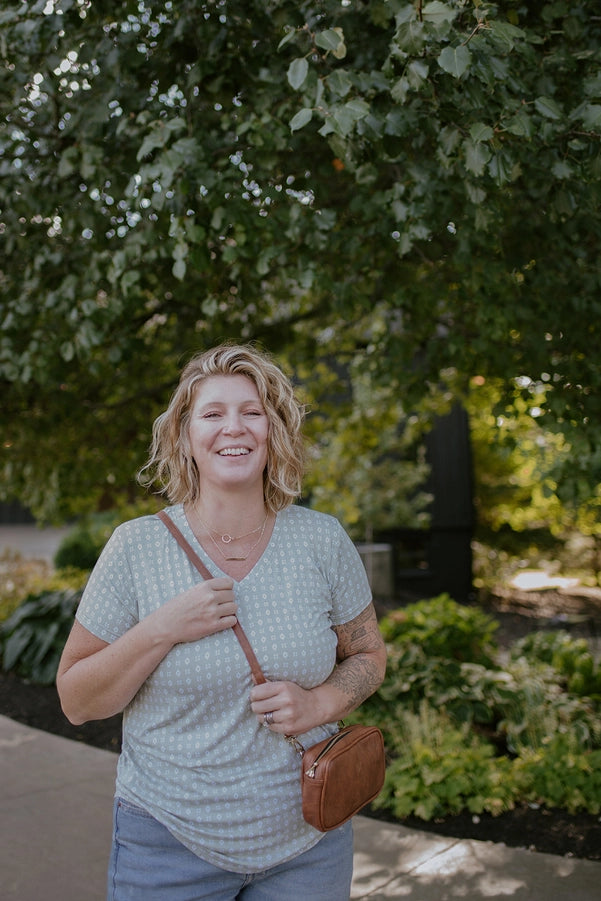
[
  {"x": 407, "y": 188},
  {"x": 468, "y": 728}
]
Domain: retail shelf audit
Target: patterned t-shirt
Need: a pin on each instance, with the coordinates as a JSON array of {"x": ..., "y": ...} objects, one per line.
[{"x": 194, "y": 755}]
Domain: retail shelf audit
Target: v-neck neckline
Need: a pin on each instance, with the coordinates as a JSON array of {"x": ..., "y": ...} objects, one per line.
[{"x": 212, "y": 562}]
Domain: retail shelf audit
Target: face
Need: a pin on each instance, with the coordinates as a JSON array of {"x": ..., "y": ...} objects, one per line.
[{"x": 228, "y": 432}]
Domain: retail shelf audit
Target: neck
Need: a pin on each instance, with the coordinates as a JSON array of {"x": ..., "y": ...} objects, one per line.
[{"x": 231, "y": 515}]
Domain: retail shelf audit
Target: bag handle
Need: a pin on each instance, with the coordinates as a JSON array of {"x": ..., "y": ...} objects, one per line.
[{"x": 255, "y": 666}]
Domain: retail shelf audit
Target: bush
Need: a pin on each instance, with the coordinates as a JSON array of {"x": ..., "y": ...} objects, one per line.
[
  {"x": 82, "y": 546},
  {"x": 568, "y": 656},
  {"x": 33, "y": 638},
  {"x": 20, "y": 577},
  {"x": 443, "y": 628},
  {"x": 541, "y": 708},
  {"x": 509, "y": 728},
  {"x": 442, "y": 769},
  {"x": 562, "y": 775}
]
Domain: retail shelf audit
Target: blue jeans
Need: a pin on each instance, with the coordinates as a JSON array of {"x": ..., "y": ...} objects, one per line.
[{"x": 148, "y": 864}]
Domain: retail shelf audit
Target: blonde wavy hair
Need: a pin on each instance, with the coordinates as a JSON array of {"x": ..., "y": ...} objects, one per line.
[{"x": 171, "y": 465}]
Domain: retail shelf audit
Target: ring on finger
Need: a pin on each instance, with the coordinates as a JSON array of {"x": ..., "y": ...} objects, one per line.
[{"x": 268, "y": 718}]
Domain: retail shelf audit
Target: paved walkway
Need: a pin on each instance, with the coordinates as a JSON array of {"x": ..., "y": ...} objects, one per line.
[
  {"x": 55, "y": 812},
  {"x": 30, "y": 541}
]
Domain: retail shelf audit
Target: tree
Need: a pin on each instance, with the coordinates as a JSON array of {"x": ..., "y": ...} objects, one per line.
[{"x": 413, "y": 185}]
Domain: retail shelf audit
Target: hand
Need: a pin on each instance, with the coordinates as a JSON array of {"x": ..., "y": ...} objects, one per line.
[
  {"x": 294, "y": 709},
  {"x": 206, "y": 608}
]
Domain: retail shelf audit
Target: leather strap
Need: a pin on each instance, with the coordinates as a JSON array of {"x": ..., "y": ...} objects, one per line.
[{"x": 255, "y": 667}]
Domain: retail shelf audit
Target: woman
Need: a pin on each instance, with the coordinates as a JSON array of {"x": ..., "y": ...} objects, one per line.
[{"x": 207, "y": 798}]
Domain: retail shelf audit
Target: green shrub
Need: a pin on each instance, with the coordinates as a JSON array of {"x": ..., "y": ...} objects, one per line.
[
  {"x": 33, "y": 638},
  {"x": 468, "y": 692},
  {"x": 21, "y": 576},
  {"x": 442, "y": 769},
  {"x": 541, "y": 708},
  {"x": 467, "y": 735},
  {"x": 81, "y": 547},
  {"x": 561, "y": 775},
  {"x": 443, "y": 628},
  {"x": 521, "y": 705},
  {"x": 18, "y": 578},
  {"x": 570, "y": 657}
]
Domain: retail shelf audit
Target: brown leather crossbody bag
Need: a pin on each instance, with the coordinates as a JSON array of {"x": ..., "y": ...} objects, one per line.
[{"x": 340, "y": 774}]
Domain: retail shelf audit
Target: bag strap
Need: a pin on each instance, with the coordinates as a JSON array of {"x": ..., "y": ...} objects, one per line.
[{"x": 255, "y": 666}]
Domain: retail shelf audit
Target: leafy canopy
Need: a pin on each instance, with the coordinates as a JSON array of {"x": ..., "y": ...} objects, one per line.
[{"x": 414, "y": 186}]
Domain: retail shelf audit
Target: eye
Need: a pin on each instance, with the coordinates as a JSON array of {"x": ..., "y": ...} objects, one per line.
[{"x": 211, "y": 414}]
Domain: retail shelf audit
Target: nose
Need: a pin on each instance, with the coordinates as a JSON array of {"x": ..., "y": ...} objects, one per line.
[{"x": 233, "y": 425}]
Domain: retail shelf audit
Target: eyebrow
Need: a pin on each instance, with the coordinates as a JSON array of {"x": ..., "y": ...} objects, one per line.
[{"x": 220, "y": 403}]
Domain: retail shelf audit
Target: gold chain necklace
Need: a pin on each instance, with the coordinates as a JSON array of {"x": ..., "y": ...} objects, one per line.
[{"x": 226, "y": 538}]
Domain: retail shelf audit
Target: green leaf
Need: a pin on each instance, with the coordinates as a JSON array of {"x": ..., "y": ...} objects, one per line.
[
  {"x": 437, "y": 12},
  {"x": 562, "y": 170},
  {"x": 521, "y": 125},
  {"x": 591, "y": 116},
  {"x": 548, "y": 108},
  {"x": 344, "y": 119},
  {"x": 455, "y": 60},
  {"x": 476, "y": 156},
  {"x": 15, "y": 645},
  {"x": 505, "y": 34},
  {"x": 409, "y": 37},
  {"x": 339, "y": 82},
  {"x": 481, "y": 132},
  {"x": 179, "y": 269},
  {"x": 331, "y": 39},
  {"x": 302, "y": 118},
  {"x": 297, "y": 72},
  {"x": 68, "y": 162},
  {"x": 289, "y": 36},
  {"x": 150, "y": 143},
  {"x": 417, "y": 73},
  {"x": 357, "y": 108},
  {"x": 500, "y": 167},
  {"x": 400, "y": 89}
]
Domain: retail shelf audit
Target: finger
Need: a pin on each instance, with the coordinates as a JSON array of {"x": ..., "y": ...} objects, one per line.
[
  {"x": 227, "y": 609},
  {"x": 264, "y": 692},
  {"x": 267, "y": 719},
  {"x": 225, "y": 622},
  {"x": 220, "y": 583}
]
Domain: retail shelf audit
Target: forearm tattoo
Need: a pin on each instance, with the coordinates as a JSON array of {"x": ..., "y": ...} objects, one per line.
[{"x": 359, "y": 671}]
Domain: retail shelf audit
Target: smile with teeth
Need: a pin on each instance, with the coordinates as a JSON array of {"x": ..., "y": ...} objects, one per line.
[{"x": 234, "y": 452}]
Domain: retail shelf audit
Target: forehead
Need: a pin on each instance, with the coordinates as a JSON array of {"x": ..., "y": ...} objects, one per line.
[{"x": 225, "y": 389}]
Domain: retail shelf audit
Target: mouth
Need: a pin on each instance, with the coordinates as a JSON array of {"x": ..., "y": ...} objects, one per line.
[{"x": 234, "y": 452}]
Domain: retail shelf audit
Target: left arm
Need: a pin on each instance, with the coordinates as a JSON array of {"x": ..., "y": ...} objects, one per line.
[{"x": 361, "y": 657}]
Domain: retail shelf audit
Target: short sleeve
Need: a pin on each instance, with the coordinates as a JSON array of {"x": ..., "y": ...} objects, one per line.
[
  {"x": 108, "y": 607},
  {"x": 351, "y": 592}
]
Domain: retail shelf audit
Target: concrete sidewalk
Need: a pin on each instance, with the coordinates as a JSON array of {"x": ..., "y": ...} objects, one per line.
[
  {"x": 31, "y": 541},
  {"x": 55, "y": 824}
]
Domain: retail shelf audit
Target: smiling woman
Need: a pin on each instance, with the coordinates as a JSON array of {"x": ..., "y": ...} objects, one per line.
[
  {"x": 228, "y": 434},
  {"x": 207, "y": 785}
]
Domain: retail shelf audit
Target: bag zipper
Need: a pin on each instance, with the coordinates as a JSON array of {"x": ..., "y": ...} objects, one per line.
[{"x": 334, "y": 740}]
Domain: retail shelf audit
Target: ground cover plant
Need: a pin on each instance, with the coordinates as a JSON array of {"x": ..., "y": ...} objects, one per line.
[{"x": 469, "y": 729}]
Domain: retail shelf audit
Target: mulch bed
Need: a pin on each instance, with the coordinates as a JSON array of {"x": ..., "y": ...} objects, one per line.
[{"x": 538, "y": 829}]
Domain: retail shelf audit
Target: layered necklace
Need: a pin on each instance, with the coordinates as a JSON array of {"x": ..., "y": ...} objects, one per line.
[{"x": 227, "y": 539}]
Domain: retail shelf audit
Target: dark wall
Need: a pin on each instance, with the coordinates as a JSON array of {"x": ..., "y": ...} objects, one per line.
[
  {"x": 430, "y": 562},
  {"x": 12, "y": 513}
]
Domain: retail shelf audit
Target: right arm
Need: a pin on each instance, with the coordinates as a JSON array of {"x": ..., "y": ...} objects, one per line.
[{"x": 96, "y": 679}]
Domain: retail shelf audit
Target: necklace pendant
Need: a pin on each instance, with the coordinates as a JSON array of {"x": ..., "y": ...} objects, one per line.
[{"x": 227, "y": 539}]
